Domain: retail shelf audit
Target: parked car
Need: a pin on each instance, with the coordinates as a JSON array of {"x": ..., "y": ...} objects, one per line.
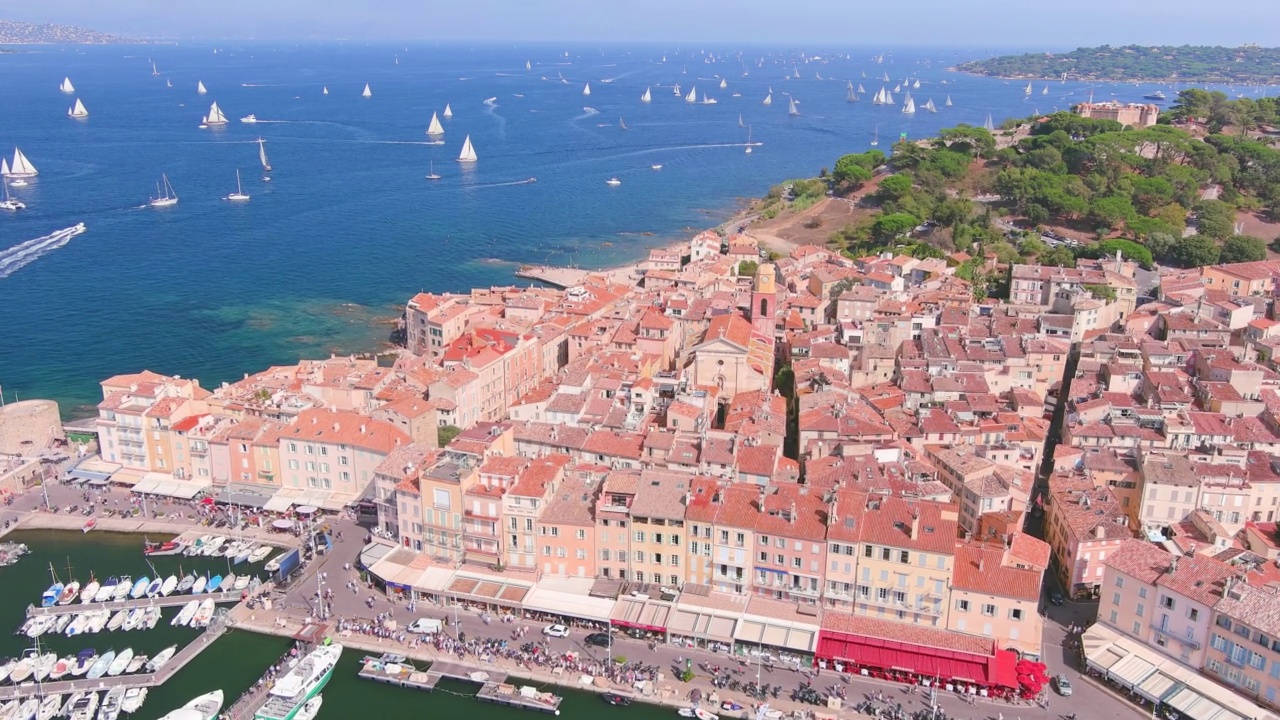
[
  {"x": 426, "y": 626},
  {"x": 1056, "y": 598},
  {"x": 598, "y": 639},
  {"x": 1063, "y": 685},
  {"x": 559, "y": 631}
]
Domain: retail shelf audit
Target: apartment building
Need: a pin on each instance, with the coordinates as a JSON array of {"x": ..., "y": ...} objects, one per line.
[
  {"x": 790, "y": 550},
  {"x": 567, "y": 530},
  {"x": 906, "y": 557},
  {"x": 335, "y": 451},
  {"x": 658, "y": 528},
  {"x": 523, "y": 505},
  {"x": 1244, "y": 640},
  {"x": 996, "y": 594}
]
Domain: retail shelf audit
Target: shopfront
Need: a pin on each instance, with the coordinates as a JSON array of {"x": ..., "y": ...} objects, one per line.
[
  {"x": 568, "y": 601},
  {"x": 642, "y": 617},
  {"x": 488, "y": 592},
  {"x": 898, "y": 652},
  {"x": 706, "y": 619},
  {"x": 774, "y": 632}
]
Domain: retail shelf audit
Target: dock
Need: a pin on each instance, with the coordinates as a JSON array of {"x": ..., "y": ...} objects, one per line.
[
  {"x": 176, "y": 663},
  {"x": 493, "y": 683},
  {"x": 231, "y": 596},
  {"x": 559, "y": 277}
]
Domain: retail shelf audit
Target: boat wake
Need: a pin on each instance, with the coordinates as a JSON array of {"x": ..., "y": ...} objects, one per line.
[
  {"x": 526, "y": 181},
  {"x": 587, "y": 112},
  {"x": 23, "y": 254}
]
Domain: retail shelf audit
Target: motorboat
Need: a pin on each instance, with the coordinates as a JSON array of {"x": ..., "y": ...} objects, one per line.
[
  {"x": 250, "y": 119},
  {"x": 185, "y": 614},
  {"x": 151, "y": 618},
  {"x": 153, "y": 588},
  {"x": 185, "y": 583},
  {"x": 110, "y": 709},
  {"x": 105, "y": 591},
  {"x": 69, "y": 593},
  {"x": 274, "y": 564},
  {"x": 99, "y": 667},
  {"x": 162, "y": 548},
  {"x": 213, "y": 584},
  {"x": 117, "y": 620},
  {"x": 260, "y": 553},
  {"x": 22, "y": 669},
  {"x": 63, "y": 621},
  {"x": 616, "y": 699},
  {"x": 210, "y": 548},
  {"x": 135, "y": 664},
  {"x": 27, "y": 710},
  {"x": 7, "y": 668},
  {"x": 85, "y": 708},
  {"x": 122, "y": 590},
  {"x": 199, "y": 586},
  {"x": 242, "y": 582},
  {"x": 120, "y": 662},
  {"x": 62, "y": 667},
  {"x": 655, "y": 166},
  {"x": 49, "y": 707},
  {"x": 310, "y": 708},
  {"x": 204, "y": 613},
  {"x": 89, "y": 591},
  {"x": 133, "y": 699},
  {"x": 53, "y": 593},
  {"x": 40, "y": 625},
  {"x": 43, "y": 666},
  {"x": 228, "y": 582},
  {"x": 89, "y": 524},
  {"x": 136, "y": 616},
  {"x": 168, "y": 586},
  {"x": 84, "y": 660},
  {"x": 98, "y": 621},
  {"x": 613, "y": 182},
  {"x": 140, "y": 587},
  {"x": 246, "y": 549},
  {"x": 302, "y": 683},
  {"x": 203, "y": 707},
  {"x": 161, "y": 658}
]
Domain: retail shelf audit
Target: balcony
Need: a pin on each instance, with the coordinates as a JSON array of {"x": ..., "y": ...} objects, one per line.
[{"x": 1164, "y": 630}]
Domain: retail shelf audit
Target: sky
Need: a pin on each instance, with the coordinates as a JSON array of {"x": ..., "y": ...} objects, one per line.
[{"x": 945, "y": 23}]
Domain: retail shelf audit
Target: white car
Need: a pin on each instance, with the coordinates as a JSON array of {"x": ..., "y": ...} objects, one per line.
[{"x": 559, "y": 631}]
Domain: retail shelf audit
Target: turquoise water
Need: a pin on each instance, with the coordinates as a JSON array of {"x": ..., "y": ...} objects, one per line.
[
  {"x": 237, "y": 660},
  {"x": 349, "y": 228}
]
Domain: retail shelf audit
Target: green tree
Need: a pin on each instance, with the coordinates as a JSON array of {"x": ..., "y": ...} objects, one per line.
[
  {"x": 1110, "y": 211},
  {"x": 894, "y": 187},
  {"x": 1128, "y": 249},
  {"x": 889, "y": 227},
  {"x": 1160, "y": 245},
  {"x": 747, "y": 268},
  {"x": 446, "y": 433},
  {"x": 1102, "y": 292},
  {"x": 850, "y": 173},
  {"x": 1058, "y": 256},
  {"x": 1242, "y": 248},
  {"x": 1194, "y": 251},
  {"x": 1215, "y": 219}
]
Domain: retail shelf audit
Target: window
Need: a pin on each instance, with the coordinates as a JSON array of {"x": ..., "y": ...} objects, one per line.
[
  {"x": 795, "y": 563},
  {"x": 1140, "y": 610},
  {"x": 639, "y": 556},
  {"x": 962, "y": 606},
  {"x": 780, "y": 560},
  {"x": 1015, "y": 614},
  {"x": 1115, "y": 598},
  {"x": 724, "y": 536},
  {"x": 764, "y": 556},
  {"x": 1193, "y": 614},
  {"x": 904, "y": 557},
  {"x": 657, "y": 538},
  {"x": 342, "y": 460},
  {"x": 1114, "y": 617},
  {"x": 639, "y": 536},
  {"x": 764, "y": 540},
  {"x": 1119, "y": 581},
  {"x": 1166, "y": 602},
  {"x": 885, "y": 553},
  {"x": 1142, "y": 592},
  {"x": 581, "y": 534},
  {"x": 867, "y": 551},
  {"x": 1219, "y": 643},
  {"x": 581, "y": 554},
  {"x": 1137, "y": 630},
  {"x": 604, "y": 554},
  {"x": 693, "y": 548}
]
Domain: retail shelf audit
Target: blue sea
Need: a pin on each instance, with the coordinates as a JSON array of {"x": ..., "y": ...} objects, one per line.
[{"x": 348, "y": 227}]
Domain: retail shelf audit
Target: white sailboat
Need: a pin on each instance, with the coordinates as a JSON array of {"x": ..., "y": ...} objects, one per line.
[
  {"x": 435, "y": 128},
  {"x": 647, "y": 96},
  {"x": 888, "y": 98},
  {"x": 909, "y": 107},
  {"x": 528, "y": 65},
  {"x": 861, "y": 90},
  {"x": 849, "y": 95},
  {"x": 740, "y": 124},
  {"x": 791, "y": 107},
  {"x": 154, "y": 71},
  {"x": 586, "y": 89},
  {"x": 367, "y": 92},
  {"x": 448, "y": 112},
  {"x": 930, "y": 106},
  {"x": 165, "y": 195},
  {"x": 708, "y": 100},
  {"x": 66, "y": 86},
  {"x": 1028, "y": 90},
  {"x": 875, "y": 139},
  {"x": 78, "y": 110},
  {"x": 200, "y": 89},
  {"x": 885, "y": 78},
  {"x": 692, "y": 96},
  {"x": 238, "y": 195},
  {"x": 262, "y": 156},
  {"x": 768, "y": 99},
  {"x": 879, "y": 97},
  {"x": 916, "y": 85},
  {"x": 948, "y": 102},
  {"x": 990, "y": 126},
  {"x": 431, "y": 171},
  {"x": 9, "y": 203},
  {"x": 168, "y": 82},
  {"x": 897, "y": 88},
  {"x": 325, "y": 90},
  {"x": 1045, "y": 91},
  {"x": 20, "y": 168},
  {"x": 676, "y": 90},
  {"x": 723, "y": 84},
  {"x": 215, "y": 116},
  {"x": 622, "y": 123},
  {"x": 468, "y": 154}
]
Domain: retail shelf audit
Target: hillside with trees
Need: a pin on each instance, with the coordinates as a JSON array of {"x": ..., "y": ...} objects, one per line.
[{"x": 1249, "y": 64}]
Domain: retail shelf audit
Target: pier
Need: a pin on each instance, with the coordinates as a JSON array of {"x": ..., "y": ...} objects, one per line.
[
  {"x": 493, "y": 683},
  {"x": 560, "y": 277},
  {"x": 176, "y": 663},
  {"x": 230, "y": 596}
]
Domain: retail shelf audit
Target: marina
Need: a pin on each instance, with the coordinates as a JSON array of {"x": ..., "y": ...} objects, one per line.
[
  {"x": 396, "y": 670},
  {"x": 219, "y": 598}
]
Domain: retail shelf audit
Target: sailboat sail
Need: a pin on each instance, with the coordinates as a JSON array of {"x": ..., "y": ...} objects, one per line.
[
  {"x": 888, "y": 98},
  {"x": 4, "y": 168},
  {"x": 768, "y": 99},
  {"x": 528, "y": 65},
  {"x": 622, "y": 123},
  {"x": 740, "y": 120},
  {"x": 325, "y": 91},
  {"x": 692, "y": 96},
  {"x": 916, "y": 85},
  {"x": 435, "y": 128},
  {"x": 723, "y": 84},
  {"x": 367, "y": 92},
  {"x": 66, "y": 86},
  {"x": 1045, "y": 91},
  {"x": 78, "y": 111},
  {"x": 1028, "y": 90},
  {"x": 468, "y": 153},
  {"x": 154, "y": 71},
  {"x": 909, "y": 107},
  {"x": 262, "y": 156},
  {"x": 948, "y": 102},
  {"x": 586, "y": 89},
  {"x": 21, "y": 166},
  {"x": 930, "y": 106},
  {"x": 861, "y": 90},
  {"x": 215, "y": 116},
  {"x": 647, "y": 96},
  {"x": 200, "y": 89},
  {"x": 990, "y": 126},
  {"x": 791, "y": 107},
  {"x": 448, "y": 112}
]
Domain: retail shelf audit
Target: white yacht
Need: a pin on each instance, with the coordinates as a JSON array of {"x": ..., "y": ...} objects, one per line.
[
  {"x": 215, "y": 116},
  {"x": 367, "y": 92},
  {"x": 250, "y": 119},
  {"x": 435, "y": 128},
  {"x": 165, "y": 196},
  {"x": 300, "y": 684},
  {"x": 468, "y": 154},
  {"x": 238, "y": 195},
  {"x": 613, "y": 182},
  {"x": 200, "y": 90},
  {"x": 19, "y": 169},
  {"x": 66, "y": 86},
  {"x": 204, "y": 707},
  {"x": 8, "y": 203},
  {"x": 431, "y": 172}
]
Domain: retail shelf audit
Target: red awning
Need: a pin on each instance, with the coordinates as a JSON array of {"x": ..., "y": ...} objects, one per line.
[
  {"x": 940, "y": 663},
  {"x": 639, "y": 626}
]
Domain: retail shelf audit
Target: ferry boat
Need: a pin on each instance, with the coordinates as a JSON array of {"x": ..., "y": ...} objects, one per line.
[{"x": 300, "y": 684}]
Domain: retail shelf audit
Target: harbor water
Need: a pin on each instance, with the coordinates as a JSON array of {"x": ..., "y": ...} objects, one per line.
[{"x": 238, "y": 659}]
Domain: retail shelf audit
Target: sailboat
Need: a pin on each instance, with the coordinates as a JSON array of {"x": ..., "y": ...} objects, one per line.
[
  {"x": 875, "y": 139},
  {"x": 692, "y": 96},
  {"x": 916, "y": 85},
  {"x": 1045, "y": 91},
  {"x": 448, "y": 112},
  {"x": 154, "y": 71},
  {"x": 78, "y": 111},
  {"x": 238, "y": 195},
  {"x": 879, "y": 97},
  {"x": 325, "y": 90},
  {"x": 1028, "y": 90},
  {"x": 431, "y": 172},
  {"x": 367, "y": 92},
  {"x": 862, "y": 90},
  {"x": 20, "y": 168},
  {"x": 262, "y": 156},
  {"x": 948, "y": 102},
  {"x": 791, "y": 107},
  {"x": 200, "y": 89},
  {"x": 909, "y": 107},
  {"x": 708, "y": 100},
  {"x": 586, "y": 89},
  {"x": 885, "y": 78},
  {"x": 215, "y": 116},
  {"x": 165, "y": 196},
  {"x": 528, "y": 65},
  {"x": 435, "y": 128},
  {"x": 768, "y": 99},
  {"x": 748, "y": 141},
  {"x": 888, "y": 98},
  {"x": 930, "y": 106},
  {"x": 849, "y": 96},
  {"x": 676, "y": 90},
  {"x": 647, "y": 96},
  {"x": 168, "y": 82},
  {"x": 66, "y": 86},
  {"x": 990, "y": 126},
  {"x": 468, "y": 154},
  {"x": 897, "y": 88},
  {"x": 9, "y": 203},
  {"x": 622, "y": 123},
  {"x": 723, "y": 84},
  {"x": 740, "y": 120}
]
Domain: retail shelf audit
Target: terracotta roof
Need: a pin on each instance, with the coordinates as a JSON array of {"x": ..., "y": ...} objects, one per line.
[{"x": 979, "y": 568}]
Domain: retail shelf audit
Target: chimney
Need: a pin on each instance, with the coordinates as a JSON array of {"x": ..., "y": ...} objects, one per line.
[
  {"x": 1173, "y": 565},
  {"x": 792, "y": 517},
  {"x": 832, "y": 516},
  {"x": 915, "y": 522},
  {"x": 981, "y": 563},
  {"x": 763, "y": 491},
  {"x": 335, "y": 427},
  {"x": 362, "y": 429}
]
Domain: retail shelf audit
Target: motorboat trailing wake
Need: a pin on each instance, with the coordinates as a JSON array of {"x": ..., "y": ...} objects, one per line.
[{"x": 23, "y": 254}]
